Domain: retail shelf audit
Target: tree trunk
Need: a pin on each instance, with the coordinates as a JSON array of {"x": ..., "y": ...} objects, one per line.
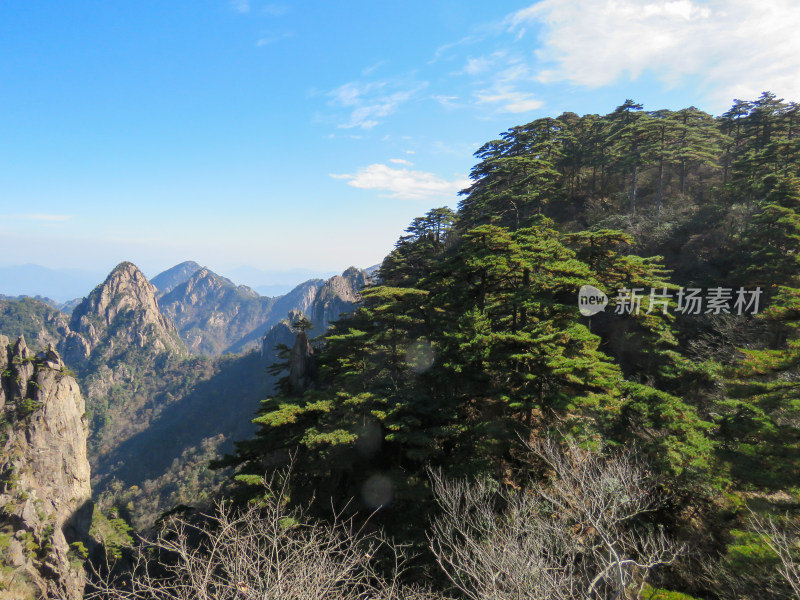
[
  {"x": 683, "y": 177},
  {"x": 523, "y": 312},
  {"x": 660, "y": 193}
]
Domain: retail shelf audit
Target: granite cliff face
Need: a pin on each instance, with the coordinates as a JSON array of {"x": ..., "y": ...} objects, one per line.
[
  {"x": 45, "y": 507},
  {"x": 120, "y": 314},
  {"x": 331, "y": 299},
  {"x": 339, "y": 295},
  {"x": 213, "y": 314}
]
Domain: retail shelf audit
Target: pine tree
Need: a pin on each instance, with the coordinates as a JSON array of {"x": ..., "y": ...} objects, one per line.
[{"x": 761, "y": 415}]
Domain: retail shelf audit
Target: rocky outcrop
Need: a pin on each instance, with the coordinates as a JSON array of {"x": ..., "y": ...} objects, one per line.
[
  {"x": 301, "y": 298},
  {"x": 334, "y": 298},
  {"x": 121, "y": 312},
  {"x": 213, "y": 314},
  {"x": 45, "y": 507},
  {"x": 302, "y": 366},
  {"x": 279, "y": 335},
  {"x": 338, "y": 296}
]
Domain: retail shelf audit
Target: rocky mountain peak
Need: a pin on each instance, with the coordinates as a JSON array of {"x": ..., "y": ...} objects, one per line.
[
  {"x": 321, "y": 303},
  {"x": 172, "y": 278},
  {"x": 124, "y": 309},
  {"x": 125, "y": 288},
  {"x": 214, "y": 315}
]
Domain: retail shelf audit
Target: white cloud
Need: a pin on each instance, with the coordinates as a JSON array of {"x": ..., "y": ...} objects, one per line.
[
  {"x": 372, "y": 68},
  {"x": 401, "y": 161},
  {"x": 505, "y": 92},
  {"x": 370, "y": 102},
  {"x": 276, "y": 10},
  {"x": 447, "y": 101},
  {"x": 511, "y": 101},
  {"x": 444, "y": 50},
  {"x": 403, "y": 183},
  {"x": 242, "y": 6},
  {"x": 274, "y": 37},
  {"x": 482, "y": 64},
  {"x": 49, "y": 218},
  {"x": 738, "y": 48}
]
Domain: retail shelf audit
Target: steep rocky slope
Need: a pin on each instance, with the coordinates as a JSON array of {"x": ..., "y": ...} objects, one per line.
[
  {"x": 298, "y": 299},
  {"x": 337, "y": 296},
  {"x": 213, "y": 314},
  {"x": 119, "y": 315},
  {"x": 121, "y": 346},
  {"x": 45, "y": 507},
  {"x": 168, "y": 280}
]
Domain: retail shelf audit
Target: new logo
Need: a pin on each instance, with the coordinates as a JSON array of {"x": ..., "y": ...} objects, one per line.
[{"x": 591, "y": 300}]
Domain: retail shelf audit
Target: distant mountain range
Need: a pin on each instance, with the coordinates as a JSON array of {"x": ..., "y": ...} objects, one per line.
[
  {"x": 148, "y": 358},
  {"x": 61, "y": 285},
  {"x": 64, "y": 285}
]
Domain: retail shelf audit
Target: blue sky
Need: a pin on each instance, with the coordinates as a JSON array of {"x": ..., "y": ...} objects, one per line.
[{"x": 306, "y": 135}]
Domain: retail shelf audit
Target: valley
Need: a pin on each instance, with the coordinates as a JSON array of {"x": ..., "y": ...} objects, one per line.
[{"x": 170, "y": 373}]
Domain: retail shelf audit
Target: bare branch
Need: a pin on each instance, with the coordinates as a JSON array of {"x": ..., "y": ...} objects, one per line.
[
  {"x": 578, "y": 535},
  {"x": 264, "y": 552}
]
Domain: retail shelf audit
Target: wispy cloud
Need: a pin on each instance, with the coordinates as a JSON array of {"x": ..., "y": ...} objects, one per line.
[
  {"x": 401, "y": 161},
  {"x": 508, "y": 87},
  {"x": 447, "y": 101},
  {"x": 241, "y": 6},
  {"x": 372, "y": 68},
  {"x": 402, "y": 183},
  {"x": 275, "y": 9},
  {"x": 48, "y": 218},
  {"x": 370, "y": 102},
  {"x": 510, "y": 101},
  {"x": 272, "y": 38},
  {"x": 738, "y": 47},
  {"x": 481, "y": 64}
]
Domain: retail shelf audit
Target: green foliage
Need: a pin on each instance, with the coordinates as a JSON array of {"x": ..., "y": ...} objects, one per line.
[
  {"x": 26, "y": 407},
  {"x": 470, "y": 344},
  {"x": 109, "y": 530},
  {"x": 77, "y": 554},
  {"x": 651, "y": 593},
  {"x": 459, "y": 368},
  {"x": 38, "y": 322}
]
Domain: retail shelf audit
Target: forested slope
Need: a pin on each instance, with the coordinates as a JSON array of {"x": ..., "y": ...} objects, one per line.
[{"x": 472, "y": 344}]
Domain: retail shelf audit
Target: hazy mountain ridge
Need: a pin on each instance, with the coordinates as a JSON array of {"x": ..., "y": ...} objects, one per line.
[
  {"x": 213, "y": 314},
  {"x": 62, "y": 285},
  {"x": 168, "y": 280}
]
